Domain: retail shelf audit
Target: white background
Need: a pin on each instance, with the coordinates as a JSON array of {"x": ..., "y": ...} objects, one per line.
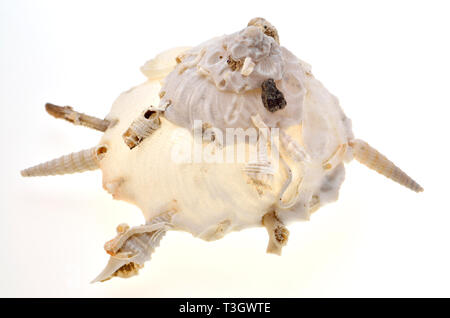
[{"x": 387, "y": 61}]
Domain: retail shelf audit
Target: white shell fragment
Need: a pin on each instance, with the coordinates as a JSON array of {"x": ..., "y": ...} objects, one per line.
[
  {"x": 248, "y": 66},
  {"x": 231, "y": 134}
]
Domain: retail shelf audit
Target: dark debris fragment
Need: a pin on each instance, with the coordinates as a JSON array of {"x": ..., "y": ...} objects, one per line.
[{"x": 272, "y": 97}]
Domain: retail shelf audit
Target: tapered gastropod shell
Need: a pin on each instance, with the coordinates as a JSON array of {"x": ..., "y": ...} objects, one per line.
[
  {"x": 233, "y": 133},
  {"x": 81, "y": 161}
]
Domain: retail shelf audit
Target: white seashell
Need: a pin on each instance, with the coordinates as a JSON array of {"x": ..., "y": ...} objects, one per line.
[
  {"x": 245, "y": 82},
  {"x": 190, "y": 92}
]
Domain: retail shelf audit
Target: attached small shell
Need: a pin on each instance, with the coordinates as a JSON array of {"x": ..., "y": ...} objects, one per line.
[
  {"x": 248, "y": 66},
  {"x": 76, "y": 118},
  {"x": 131, "y": 248},
  {"x": 242, "y": 80},
  {"x": 371, "y": 158},
  {"x": 81, "y": 161}
]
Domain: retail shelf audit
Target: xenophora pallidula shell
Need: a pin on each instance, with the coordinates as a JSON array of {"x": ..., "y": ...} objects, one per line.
[{"x": 294, "y": 140}]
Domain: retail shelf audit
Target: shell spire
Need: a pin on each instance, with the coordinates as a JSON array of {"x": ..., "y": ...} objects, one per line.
[
  {"x": 374, "y": 160},
  {"x": 81, "y": 161}
]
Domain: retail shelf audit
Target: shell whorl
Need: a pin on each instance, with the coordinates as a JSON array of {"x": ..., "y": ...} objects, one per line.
[
  {"x": 374, "y": 160},
  {"x": 81, "y": 161}
]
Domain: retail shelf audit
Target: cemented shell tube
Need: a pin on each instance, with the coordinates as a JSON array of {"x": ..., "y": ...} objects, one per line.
[
  {"x": 76, "y": 118},
  {"x": 278, "y": 233},
  {"x": 81, "y": 161},
  {"x": 371, "y": 158},
  {"x": 142, "y": 127}
]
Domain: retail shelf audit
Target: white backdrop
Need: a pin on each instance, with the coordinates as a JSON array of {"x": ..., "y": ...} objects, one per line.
[{"x": 387, "y": 62}]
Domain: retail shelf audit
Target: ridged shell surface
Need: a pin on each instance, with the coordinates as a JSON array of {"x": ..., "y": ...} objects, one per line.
[{"x": 204, "y": 86}]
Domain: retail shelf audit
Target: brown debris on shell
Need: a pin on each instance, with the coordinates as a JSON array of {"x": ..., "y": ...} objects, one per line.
[
  {"x": 142, "y": 127},
  {"x": 234, "y": 65},
  {"x": 272, "y": 97},
  {"x": 67, "y": 113}
]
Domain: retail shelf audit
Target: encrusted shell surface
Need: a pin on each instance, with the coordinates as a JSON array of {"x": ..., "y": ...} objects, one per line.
[
  {"x": 207, "y": 195},
  {"x": 204, "y": 85}
]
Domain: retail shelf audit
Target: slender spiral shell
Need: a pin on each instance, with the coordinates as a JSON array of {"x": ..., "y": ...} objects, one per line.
[
  {"x": 142, "y": 127},
  {"x": 132, "y": 248},
  {"x": 374, "y": 160},
  {"x": 81, "y": 161}
]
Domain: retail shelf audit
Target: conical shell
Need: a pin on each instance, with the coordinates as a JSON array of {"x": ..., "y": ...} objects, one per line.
[
  {"x": 371, "y": 158},
  {"x": 81, "y": 161}
]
